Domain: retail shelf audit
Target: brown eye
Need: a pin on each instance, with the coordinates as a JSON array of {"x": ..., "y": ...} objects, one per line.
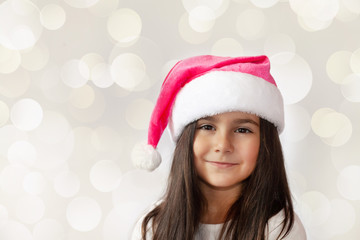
[
  {"x": 243, "y": 130},
  {"x": 207, "y": 127}
]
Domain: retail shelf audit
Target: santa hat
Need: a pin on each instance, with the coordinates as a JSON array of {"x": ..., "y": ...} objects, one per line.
[{"x": 207, "y": 85}]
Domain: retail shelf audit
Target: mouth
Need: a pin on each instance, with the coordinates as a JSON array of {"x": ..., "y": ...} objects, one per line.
[{"x": 222, "y": 164}]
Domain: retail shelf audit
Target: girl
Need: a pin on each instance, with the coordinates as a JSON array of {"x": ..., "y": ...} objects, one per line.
[{"x": 227, "y": 179}]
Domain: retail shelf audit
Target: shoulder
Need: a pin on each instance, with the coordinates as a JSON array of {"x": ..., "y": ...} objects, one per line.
[{"x": 274, "y": 227}]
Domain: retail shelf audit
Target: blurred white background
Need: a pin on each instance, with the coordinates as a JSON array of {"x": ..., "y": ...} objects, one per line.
[{"x": 79, "y": 78}]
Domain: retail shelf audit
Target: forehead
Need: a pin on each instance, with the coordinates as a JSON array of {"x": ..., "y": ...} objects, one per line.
[{"x": 233, "y": 116}]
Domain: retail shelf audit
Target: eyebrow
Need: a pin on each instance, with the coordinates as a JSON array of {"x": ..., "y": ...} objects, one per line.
[{"x": 236, "y": 121}]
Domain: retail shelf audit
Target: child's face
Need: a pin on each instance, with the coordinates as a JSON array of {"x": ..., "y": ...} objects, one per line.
[{"x": 226, "y": 148}]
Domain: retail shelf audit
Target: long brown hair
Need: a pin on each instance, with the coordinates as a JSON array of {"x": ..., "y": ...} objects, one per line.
[{"x": 264, "y": 194}]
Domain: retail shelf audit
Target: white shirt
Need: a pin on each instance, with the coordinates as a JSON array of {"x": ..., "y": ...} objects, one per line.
[
  {"x": 212, "y": 231},
  {"x": 274, "y": 226}
]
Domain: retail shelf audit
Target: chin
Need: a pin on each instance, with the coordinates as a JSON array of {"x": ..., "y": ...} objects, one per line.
[{"x": 225, "y": 185}]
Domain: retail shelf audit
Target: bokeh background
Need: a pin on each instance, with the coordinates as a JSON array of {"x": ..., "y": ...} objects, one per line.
[{"x": 79, "y": 79}]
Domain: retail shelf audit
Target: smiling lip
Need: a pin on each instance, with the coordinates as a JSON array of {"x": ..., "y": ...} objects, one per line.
[{"x": 222, "y": 164}]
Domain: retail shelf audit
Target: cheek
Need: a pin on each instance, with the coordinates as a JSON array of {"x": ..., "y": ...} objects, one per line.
[
  {"x": 199, "y": 146},
  {"x": 252, "y": 153},
  {"x": 200, "y": 150},
  {"x": 255, "y": 152},
  {"x": 196, "y": 152}
]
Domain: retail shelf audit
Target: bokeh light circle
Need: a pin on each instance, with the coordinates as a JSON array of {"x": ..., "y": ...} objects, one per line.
[
  {"x": 67, "y": 184},
  {"x": 298, "y": 184},
  {"x": 351, "y": 88},
  {"x": 13, "y": 230},
  {"x": 48, "y": 229},
  {"x": 352, "y": 5},
  {"x": 106, "y": 139},
  {"x": 83, "y": 214},
  {"x": 355, "y": 61},
  {"x": 338, "y": 66},
  {"x": 147, "y": 53},
  {"x": 139, "y": 186},
  {"x": 315, "y": 208},
  {"x": 82, "y": 97},
  {"x": 4, "y": 113},
  {"x": 124, "y": 25},
  {"x": 347, "y": 154},
  {"x": 322, "y": 10},
  {"x": 91, "y": 60},
  {"x": 52, "y": 16},
  {"x": 103, "y": 8},
  {"x": 15, "y": 84},
  {"x": 325, "y": 10},
  {"x": 52, "y": 163},
  {"x": 83, "y": 149},
  {"x": 105, "y": 175},
  {"x": 120, "y": 221},
  {"x": 218, "y": 7},
  {"x": 348, "y": 182},
  {"x": 227, "y": 47},
  {"x": 146, "y": 83},
  {"x": 264, "y": 4},
  {"x": 101, "y": 75},
  {"x": 52, "y": 86},
  {"x": 35, "y": 58},
  {"x": 93, "y": 112},
  {"x": 318, "y": 125},
  {"x": 53, "y": 155},
  {"x": 343, "y": 127},
  {"x": 346, "y": 14},
  {"x": 81, "y": 3},
  {"x": 294, "y": 78},
  {"x": 53, "y": 129},
  {"x": 22, "y": 152},
  {"x": 312, "y": 24},
  {"x": 75, "y": 73},
  {"x": 10, "y": 60},
  {"x": 11, "y": 178},
  {"x": 315, "y": 15},
  {"x": 201, "y": 19},
  {"x": 8, "y": 135},
  {"x": 277, "y": 44},
  {"x": 342, "y": 218},
  {"x": 298, "y": 123},
  {"x": 4, "y": 215},
  {"x": 250, "y": 24},
  {"x": 189, "y": 34},
  {"x": 34, "y": 183},
  {"x": 138, "y": 113},
  {"x": 20, "y": 26},
  {"x": 128, "y": 70},
  {"x": 334, "y": 128},
  {"x": 30, "y": 209},
  {"x": 26, "y": 114}
]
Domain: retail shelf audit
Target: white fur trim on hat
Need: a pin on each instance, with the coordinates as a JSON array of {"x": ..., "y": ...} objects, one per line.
[{"x": 225, "y": 91}]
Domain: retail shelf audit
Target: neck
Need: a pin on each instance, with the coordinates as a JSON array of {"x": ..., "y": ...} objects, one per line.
[{"x": 219, "y": 201}]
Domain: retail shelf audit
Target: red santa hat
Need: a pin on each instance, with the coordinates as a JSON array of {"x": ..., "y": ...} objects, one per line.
[{"x": 207, "y": 85}]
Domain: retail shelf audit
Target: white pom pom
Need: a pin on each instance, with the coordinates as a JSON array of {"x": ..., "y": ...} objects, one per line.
[{"x": 146, "y": 157}]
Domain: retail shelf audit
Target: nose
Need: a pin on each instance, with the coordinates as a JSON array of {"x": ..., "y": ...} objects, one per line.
[{"x": 223, "y": 143}]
